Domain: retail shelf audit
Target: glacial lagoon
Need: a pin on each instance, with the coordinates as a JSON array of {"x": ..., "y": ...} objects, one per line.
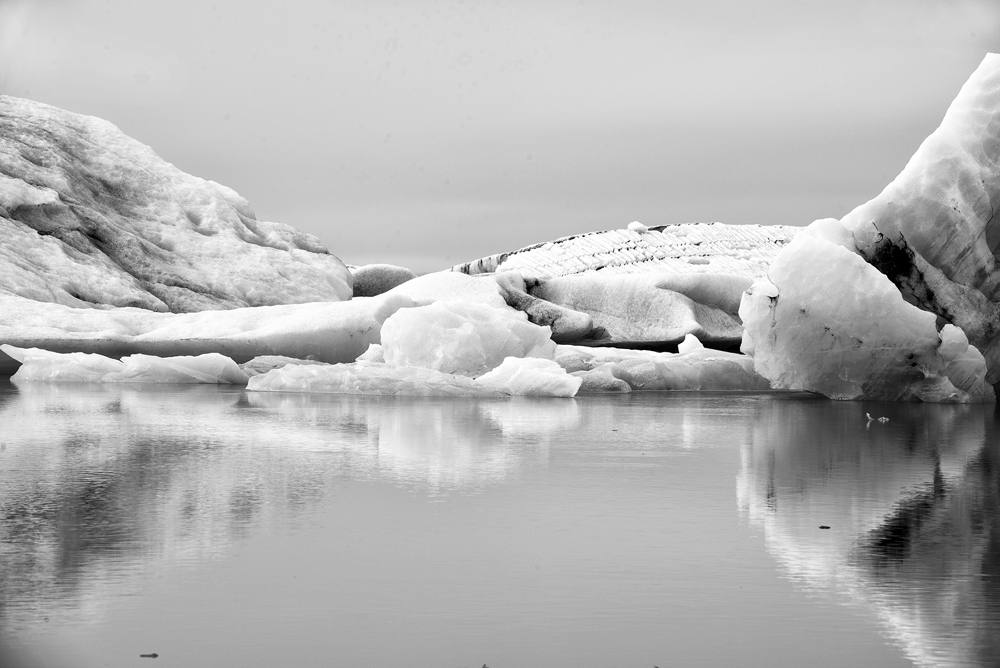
[{"x": 218, "y": 527}]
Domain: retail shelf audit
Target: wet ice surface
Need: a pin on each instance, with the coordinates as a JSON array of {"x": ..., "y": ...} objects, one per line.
[{"x": 217, "y": 527}]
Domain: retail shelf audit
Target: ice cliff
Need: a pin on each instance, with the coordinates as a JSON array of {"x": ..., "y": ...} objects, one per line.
[
  {"x": 884, "y": 303},
  {"x": 92, "y": 218}
]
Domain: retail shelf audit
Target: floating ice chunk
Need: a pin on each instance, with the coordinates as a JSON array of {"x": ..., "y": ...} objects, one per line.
[
  {"x": 463, "y": 338},
  {"x": 700, "y": 369},
  {"x": 208, "y": 368},
  {"x": 264, "y": 363},
  {"x": 43, "y": 365},
  {"x": 531, "y": 376},
  {"x": 368, "y": 378},
  {"x": 689, "y": 344},
  {"x": 829, "y": 322}
]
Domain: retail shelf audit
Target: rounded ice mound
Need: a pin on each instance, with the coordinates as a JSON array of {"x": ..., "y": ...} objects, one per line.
[
  {"x": 531, "y": 377},
  {"x": 462, "y": 338}
]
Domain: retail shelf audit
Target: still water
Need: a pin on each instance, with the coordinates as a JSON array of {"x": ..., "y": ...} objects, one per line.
[{"x": 215, "y": 527}]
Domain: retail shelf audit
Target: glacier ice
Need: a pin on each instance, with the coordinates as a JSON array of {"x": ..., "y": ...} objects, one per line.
[
  {"x": 934, "y": 231},
  {"x": 464, "y": 338},
  {"x": 827, "y": 321},
  {"x": 89, "y": 217},
  {"x": 44, "y": 365},
  {"x": 531, "y": 376}
]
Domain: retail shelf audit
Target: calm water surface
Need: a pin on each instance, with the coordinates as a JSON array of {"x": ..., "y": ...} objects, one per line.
[{"x": 217, "y": 527}]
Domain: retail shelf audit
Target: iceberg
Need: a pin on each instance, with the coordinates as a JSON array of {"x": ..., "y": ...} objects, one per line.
[
  {"x": 827, "y": 321},
  {"x": 44, "y": 365},
  {"x": 91, "y": 218},
  {"x": 464, "y": 338},
  {"x": 323, "y": 331},
  {"x": 935, "y": 230}
]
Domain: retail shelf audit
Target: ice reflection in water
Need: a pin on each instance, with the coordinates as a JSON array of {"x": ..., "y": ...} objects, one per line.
[
  {"x": 913, "y": 509},
  {"x": 604, "y": 511}
]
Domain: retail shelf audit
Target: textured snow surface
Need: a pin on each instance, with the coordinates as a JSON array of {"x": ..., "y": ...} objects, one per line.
[
  {"x": 705, "y": 248},
  {"x": 622, "y": 370},
  {"x": 935, "y": 230},
  {"x": 465, "y": 338},
  {"x": 323, "y": 331},
  {"x": 531, "y": 376},
  {"x": 829, "y": 322},
  {"x": 43, "y": 365},
  {"x": 90, "y": 217}
]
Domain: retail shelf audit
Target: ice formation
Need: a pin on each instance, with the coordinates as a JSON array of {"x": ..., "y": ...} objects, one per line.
[
  {"x": 622, "y": 370},
  {"x": 43, "y": 365},
  {"x": 531, "y": 376},
  {"x": 324, "y": 331},
  {"x": 652, "y": 308},
  {"x": 695, "y": 248},
  {"x": 935, "y": 230},
  {"x": 90, "y": 217},
  {"x": 451, "y": 286},
  {"x": 827, "y": 321},
  {"x": 567, "y": 325},
  {"x": 463, "y": 338},
  {"x": 368, "y": 378}
]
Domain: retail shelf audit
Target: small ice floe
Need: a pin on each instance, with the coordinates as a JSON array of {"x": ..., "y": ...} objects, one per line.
[
  {"x": 882, "y": 419},
  {"x": 636, "y": 226}
]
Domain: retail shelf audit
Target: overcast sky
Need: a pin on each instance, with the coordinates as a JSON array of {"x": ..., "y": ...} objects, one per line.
[{"x": 431, "y": 133}]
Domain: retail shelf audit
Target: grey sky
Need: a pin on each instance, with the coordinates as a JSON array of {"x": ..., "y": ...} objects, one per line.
[{"x": 430, "y": 133}]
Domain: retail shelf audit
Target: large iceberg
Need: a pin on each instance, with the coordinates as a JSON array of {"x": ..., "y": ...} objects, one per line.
[
  {"x": 827, "y": 321},
  {"x": 884, "y": 303},
  {"x": 935, "y": 230},
  {"x": 89, "y": 217}
]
